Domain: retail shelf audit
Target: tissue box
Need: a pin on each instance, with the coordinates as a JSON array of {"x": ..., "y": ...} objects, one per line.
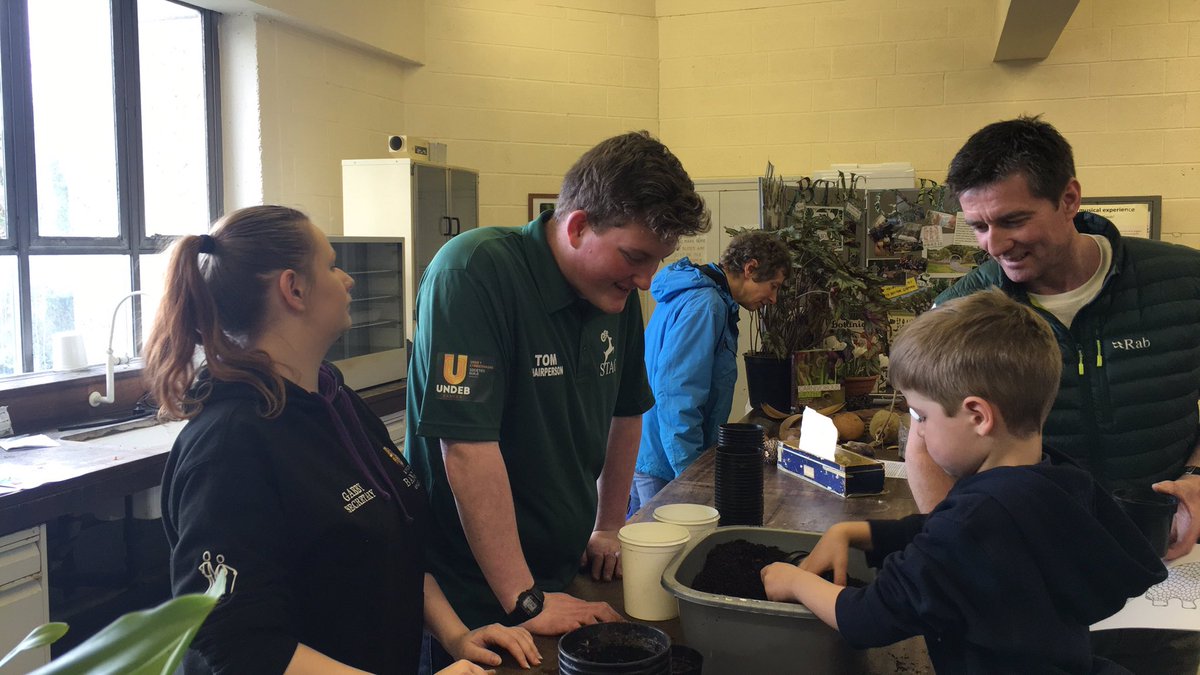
[{"x": 848, "y": 475}]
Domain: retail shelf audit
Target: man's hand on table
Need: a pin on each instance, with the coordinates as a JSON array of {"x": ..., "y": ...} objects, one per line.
[
  {"x": 562, "y": 613},
  {"x": 1185, "y": 527},
  {"x": 603, "y": 555}
]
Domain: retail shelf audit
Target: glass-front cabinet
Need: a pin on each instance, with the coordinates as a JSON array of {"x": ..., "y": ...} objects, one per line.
[{"x": 373, "y": 350}]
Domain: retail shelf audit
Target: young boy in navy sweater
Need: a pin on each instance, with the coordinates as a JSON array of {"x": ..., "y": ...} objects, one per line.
[{"x": 1010, "y": 569}]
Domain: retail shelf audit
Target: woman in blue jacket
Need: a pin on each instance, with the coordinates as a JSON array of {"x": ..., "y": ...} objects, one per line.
[{"x": 691, "y": 352}]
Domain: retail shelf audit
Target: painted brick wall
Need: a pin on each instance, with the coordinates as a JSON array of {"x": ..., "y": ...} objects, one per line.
[
  {"x": 808, "y": 83},
  {"x": 321, "y": 101},
  {"x": 518, "y": 89}
]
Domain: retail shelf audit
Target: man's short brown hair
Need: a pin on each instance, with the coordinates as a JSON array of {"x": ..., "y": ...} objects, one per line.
[
  {"x": 765, "y": 247},
  {"x": 634, "y": 178},
  {"x": 984, "y": 345}
]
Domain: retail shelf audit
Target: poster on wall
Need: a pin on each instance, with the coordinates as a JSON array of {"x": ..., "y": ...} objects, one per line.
[{"x": 1133, "y": 216}]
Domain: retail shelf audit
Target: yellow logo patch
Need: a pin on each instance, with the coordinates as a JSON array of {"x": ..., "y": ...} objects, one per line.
[{"x": 454, "y": 368}]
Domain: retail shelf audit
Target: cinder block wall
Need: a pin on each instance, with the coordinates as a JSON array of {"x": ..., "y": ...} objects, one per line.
[
  {"x": 805, "y": 84},
  {"x": 520, "y": 88}
]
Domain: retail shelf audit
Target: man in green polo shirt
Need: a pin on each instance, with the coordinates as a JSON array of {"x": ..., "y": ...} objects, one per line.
[{"x": 527, "y": 385}]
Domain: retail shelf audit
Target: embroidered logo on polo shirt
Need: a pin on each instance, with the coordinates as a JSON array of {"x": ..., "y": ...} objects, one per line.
[
  {"x": 355, "y": 496},
  {"x": 454, "y": 368},
  {"x": 546, "y": 365},
  {"x": 463, "y": 377},
  {"x": 609, "y": 365}
]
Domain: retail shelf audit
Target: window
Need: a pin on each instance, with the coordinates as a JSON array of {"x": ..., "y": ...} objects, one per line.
[{"x": 110, "y": 148}]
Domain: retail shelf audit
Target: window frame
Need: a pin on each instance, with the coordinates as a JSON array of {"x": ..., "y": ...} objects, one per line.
[{"x": 20, "y": 163}]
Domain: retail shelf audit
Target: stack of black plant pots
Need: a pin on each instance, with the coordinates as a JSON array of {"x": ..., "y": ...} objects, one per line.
[{"x": 738, "y": 483}]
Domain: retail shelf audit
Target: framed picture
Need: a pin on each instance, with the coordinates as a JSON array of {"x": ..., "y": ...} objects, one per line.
[
  {"x": 539, "y": 202},
  {"x": 1134, "y": 216}
]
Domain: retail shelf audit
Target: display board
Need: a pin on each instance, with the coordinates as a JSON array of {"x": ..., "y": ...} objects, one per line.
[{"x": 1134, "y": 216}]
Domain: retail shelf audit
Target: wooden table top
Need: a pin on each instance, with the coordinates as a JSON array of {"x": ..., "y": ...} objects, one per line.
[{"x": 788, "y": 503}]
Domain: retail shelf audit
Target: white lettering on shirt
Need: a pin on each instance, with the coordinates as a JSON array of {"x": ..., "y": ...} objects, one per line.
[
  {"x": 355, "y": 496},
  {"x": 546, "y": 365},
  {"x": 1132, "y": 343},
  {"x": 609, "y": 365}
]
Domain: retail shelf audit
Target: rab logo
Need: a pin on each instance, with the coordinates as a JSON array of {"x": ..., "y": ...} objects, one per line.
[
  {"x": 1129, "y": 344},
  {"x": 454, "y": 368}
]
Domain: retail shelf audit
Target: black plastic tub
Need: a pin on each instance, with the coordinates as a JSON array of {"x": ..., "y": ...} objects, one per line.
[{"x": 615, "y": 648}]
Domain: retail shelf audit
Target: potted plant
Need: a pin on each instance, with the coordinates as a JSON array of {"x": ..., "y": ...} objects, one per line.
[
  {"x": 863, "y": 359},
  {"x": 825, "y": 288}
]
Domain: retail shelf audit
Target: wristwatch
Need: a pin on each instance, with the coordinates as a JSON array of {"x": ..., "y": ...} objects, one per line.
[
  {"x": 1190, "y": 470},
  {"x": 529, "y": 604}
]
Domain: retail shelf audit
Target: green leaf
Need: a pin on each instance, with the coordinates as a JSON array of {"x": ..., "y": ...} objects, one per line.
[
  {"x": 142, "y": 643},
  {"x": 45, "y": 634}
]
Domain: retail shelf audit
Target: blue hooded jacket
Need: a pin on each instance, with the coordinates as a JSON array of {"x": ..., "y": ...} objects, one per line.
[{"x": 691, "y": 361}]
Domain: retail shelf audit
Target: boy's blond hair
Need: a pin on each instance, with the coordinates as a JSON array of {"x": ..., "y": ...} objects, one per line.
[{"x": 985, "y": 345}]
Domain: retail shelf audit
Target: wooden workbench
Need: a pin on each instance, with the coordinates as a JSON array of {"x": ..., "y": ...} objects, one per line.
[{"x": 788, "y": 503}]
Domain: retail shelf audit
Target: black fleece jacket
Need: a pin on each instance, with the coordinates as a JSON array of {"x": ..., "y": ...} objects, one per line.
[
  {"x": 1005, "y": 575},
  {"x": 319, "y": 551}
]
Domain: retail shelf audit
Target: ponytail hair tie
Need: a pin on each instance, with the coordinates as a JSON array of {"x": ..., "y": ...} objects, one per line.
[{"x": 207, "y": 244}]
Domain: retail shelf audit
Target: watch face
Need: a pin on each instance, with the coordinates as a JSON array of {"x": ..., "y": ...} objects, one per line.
[{"x": 530, "y": 604}]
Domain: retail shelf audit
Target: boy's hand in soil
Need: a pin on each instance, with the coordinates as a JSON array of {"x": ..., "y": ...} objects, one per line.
[
  {"x": 832, "y": 552},
  {"x": 780, "y": 580},
  {"x": 788, "y": 583}
]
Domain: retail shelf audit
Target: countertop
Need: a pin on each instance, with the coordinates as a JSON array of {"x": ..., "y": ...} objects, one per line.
[
  {"x": 788, "y": 503},
  {"x": 39, "y": 484}
]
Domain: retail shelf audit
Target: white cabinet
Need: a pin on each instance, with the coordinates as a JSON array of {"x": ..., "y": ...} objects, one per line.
[
  {"x": 733, "y": 203},
  {"x": 426, "y": 204},
  {"x": 372, "y": 351},
  {"x": 24, "y": 600}
]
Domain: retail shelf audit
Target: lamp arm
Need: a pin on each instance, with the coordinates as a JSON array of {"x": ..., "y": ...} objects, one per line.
[{"x": 95, "y": 398}]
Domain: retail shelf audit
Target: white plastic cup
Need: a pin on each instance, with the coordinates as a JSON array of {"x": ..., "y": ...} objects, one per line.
[
  {"x": 67, "y": 351},
  {"x": 697, "y": 519},
  {"x": 646, "y": 550}
]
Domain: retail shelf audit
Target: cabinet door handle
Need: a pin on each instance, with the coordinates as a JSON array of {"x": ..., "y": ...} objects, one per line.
[
  {"x": 457, "y": 226},
  {"x": 448, "y": 230}
]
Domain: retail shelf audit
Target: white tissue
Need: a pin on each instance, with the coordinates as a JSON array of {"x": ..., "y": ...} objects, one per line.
[{"x": 818, "y": 435}]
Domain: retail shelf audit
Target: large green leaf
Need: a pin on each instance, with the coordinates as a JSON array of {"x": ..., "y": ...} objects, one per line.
[
  {"x": 41, "y": 636},
  {"x": 141, "y": 643}
]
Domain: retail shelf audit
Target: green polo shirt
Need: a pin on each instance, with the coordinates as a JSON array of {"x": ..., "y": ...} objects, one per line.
[{"x": 506, "y": 351}]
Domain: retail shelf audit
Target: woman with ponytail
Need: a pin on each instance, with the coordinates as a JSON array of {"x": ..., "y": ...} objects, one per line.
[{"x": 283, "y": 478}]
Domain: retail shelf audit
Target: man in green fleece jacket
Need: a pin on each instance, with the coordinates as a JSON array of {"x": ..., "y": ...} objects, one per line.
[{"x": 1126, "y": 314}]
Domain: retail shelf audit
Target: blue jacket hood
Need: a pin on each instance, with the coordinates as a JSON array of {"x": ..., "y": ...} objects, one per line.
[{"x": 678, "y": 277}]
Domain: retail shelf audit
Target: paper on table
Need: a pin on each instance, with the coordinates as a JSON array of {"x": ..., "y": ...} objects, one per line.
[
  {"x": 1170, "y": 605},
  {"x": 818, "y": 435},
  {"x": 28, "y": 442}
]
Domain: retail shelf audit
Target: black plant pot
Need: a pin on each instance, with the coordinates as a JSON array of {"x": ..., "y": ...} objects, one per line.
[{"x": 769, "y": 380}]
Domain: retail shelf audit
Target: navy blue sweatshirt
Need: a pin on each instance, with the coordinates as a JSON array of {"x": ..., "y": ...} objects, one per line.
[
  {"x": 1005, "y": 575},
  {"x": 318, "y": 519}
]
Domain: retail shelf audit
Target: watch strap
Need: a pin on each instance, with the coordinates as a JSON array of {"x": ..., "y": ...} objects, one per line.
[
  {"x": 1190, "y": 470},
  {"x": 529, "y": 604}
]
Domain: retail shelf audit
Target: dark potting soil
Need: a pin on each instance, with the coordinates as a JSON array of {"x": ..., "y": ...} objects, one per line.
[
  {"x": 614, "y": 653},
  {"x": 617, "y": 646},
  {"x": 735, "y": 569}
]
